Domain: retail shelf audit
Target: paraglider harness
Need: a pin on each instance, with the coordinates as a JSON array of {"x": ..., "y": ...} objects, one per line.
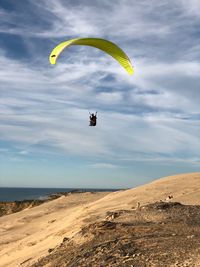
[{"x": 93, "y": 119}]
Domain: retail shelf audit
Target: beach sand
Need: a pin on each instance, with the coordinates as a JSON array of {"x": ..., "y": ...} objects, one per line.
[{"x": 28, "y": 235}]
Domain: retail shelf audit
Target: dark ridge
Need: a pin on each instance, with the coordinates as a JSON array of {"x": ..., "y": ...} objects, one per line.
[{"x": 158, "y": 234}]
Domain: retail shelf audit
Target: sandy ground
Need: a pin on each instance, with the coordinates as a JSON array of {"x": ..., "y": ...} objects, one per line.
[{"x": 29, "y": 234}]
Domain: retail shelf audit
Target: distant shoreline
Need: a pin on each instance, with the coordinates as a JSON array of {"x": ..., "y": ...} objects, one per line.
[
  {"x": 11, "y": 194},
  {"x": 9, "y": 207}
]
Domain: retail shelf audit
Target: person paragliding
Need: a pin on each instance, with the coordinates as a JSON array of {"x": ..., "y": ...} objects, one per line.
[
  {"x": 93, "y": 119},
  {"x": 104, "y": 45}
]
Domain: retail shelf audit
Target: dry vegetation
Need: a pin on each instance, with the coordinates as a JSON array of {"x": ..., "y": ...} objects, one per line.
[{"x": 159, "y": 234}]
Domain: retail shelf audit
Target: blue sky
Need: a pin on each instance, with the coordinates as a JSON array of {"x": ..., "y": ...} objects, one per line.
[{"x": 148, "y": 123}]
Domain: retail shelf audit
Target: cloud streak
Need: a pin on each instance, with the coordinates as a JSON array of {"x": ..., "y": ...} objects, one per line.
[{"x": 154, "y": 113}]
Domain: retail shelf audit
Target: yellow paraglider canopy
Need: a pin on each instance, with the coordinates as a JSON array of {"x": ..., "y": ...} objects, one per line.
[{"x": 102, "y": 44}]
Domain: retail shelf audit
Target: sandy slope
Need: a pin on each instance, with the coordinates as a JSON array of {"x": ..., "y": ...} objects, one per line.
[
  {"x": 29, "y": 234},
  {"x": 184, "y": 188}
]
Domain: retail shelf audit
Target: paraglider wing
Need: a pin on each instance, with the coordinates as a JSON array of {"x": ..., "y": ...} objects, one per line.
[{"x": 102, "y": 44}]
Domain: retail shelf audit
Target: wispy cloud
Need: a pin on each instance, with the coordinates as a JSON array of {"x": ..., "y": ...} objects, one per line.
[
  {"x": 102, "y": 165},
  {"x": 47, "y": 107}
]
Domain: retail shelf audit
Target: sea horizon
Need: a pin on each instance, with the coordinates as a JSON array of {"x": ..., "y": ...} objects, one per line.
[{"x": 8, "y": 194}]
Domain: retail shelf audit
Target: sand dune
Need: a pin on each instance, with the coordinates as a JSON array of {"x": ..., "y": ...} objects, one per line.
[
  {"x": 184, "y": 188},
  {"x": 29, "y": 234}
]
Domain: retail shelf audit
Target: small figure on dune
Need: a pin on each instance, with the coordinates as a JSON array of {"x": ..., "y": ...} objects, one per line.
[
  {"x": 138, "y": 206},
  {"x": 93, "y": 119},
  {"x": 168, "y": 198}
]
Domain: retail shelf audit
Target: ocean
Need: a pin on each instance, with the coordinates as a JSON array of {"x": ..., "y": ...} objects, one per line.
[{"x": 24, "y": 193}]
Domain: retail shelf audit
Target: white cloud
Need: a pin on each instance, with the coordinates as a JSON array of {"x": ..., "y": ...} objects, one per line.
[
  {"x": 191, "y": 7},
  {"x": 103, "y": 165},
  {"x": 48, "y": 106}
]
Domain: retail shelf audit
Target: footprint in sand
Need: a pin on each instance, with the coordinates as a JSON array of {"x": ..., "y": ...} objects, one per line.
[{"x": 30, "y": 244}]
